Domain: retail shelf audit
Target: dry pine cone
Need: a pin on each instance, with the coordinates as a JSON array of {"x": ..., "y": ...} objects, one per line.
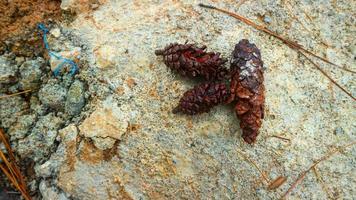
[
  {"x": 192, "y": 61},
  {"x": 202, "y": 98},
  {"x": 247, "y": 88}
]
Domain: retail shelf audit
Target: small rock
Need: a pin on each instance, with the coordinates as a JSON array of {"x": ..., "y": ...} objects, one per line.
[
  {"x": 11, "y": 107},
  {"x": 45, "y": 170},
  {"x": 339, "y": 131},
  {"x": 104, "y": 126},
  {"x": 94, "y": 6},
  {"x": 68, "y": 137},
  {"x": 53, "y": 95},
  {"x": 22, "y": 126},
  {"x": 72, "y": 55},
  {"x": 50, "y": 193},
  {"x": 75, "y": 98},
  {"x": 67, "y": 80},
  {"x": 68, "y": 134},
  {"x": 7, "y": 71},
  {"x": 12, "y": 88},
  {"x": 19, "y": 60},
  {"x": 65, "y": 5},
  {"x": 33, "y": 185},
  {"x": 104, "y": 143},
  {"x": 69, "y": 4},
  {"x": 105, "y": 56},
  {"x": 78, "y": 6},
  {"x": 31, "y": 73},
  {"x": 3, "y": 148},
  {"x": 267, "y": 19},
  {"x": 38, "y": 144},
  {"x": 36, "y": 106},
  {"x": 56, "y": 32}
]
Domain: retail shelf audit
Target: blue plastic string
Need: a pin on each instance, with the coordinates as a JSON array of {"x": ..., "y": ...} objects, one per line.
[{"x": 74, "y": 67}]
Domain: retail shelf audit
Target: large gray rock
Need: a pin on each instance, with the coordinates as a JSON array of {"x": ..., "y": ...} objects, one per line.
[
  {"x": 21, "y": 128},
  {"x": 50, "y": 193},
  {"x": 68, "y": 138},
  {"x": 75, "y": 98},
  {"x": 30, "y": 72},
  {"x": 11, "y": 109},
  {"x": 38, "y": 144},
  {"x": 53, "y": 95},
  {"x": 8, "y": 71}
]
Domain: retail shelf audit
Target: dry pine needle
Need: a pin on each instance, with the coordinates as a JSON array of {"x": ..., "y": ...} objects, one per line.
[{"x": 276, "y": 183}]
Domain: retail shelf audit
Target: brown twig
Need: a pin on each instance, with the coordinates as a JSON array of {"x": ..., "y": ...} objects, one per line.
[
  {"x": 15, "y": 94},
  {"x": 302, "y": 175},
  {"x": 10, "y": 169},
  {"x": 293, "y": 45},
  {"x": 276, "y": 183}
]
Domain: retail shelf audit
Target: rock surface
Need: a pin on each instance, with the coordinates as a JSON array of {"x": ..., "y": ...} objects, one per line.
[
  {"x": 53, "y": 95},
  {"x": 75, "y": 98},
  {"x": 30, "y": 72},
  {"x": 50, "y": 193},
  {"x": 13, "y": 107},
  {"x": 105, "y": 125},
  {"x": 38, "y": 144},
  {"x": 7, "y": 71},
  {"x": 127, "y": 144},
  {"x": 22, "y": 127},
  {"x": 159, "y": 155}
]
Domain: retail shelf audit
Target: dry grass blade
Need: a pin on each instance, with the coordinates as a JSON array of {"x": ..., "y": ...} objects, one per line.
[
  {"x": 10, "y": 169},
  {"x": 302, "y": 175},
  {"x": 294, "y": 45},
  {"x": 15, "y": 94}
]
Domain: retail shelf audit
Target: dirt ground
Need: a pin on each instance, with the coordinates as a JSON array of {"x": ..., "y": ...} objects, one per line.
[{"x": 17, "y": 16}]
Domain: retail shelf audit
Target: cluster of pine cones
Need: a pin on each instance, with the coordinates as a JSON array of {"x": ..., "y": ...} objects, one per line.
[{"x": 241, "y": 84}]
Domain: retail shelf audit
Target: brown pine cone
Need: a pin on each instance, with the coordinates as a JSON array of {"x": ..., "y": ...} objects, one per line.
[
  {"x": 202, "y": 98},
  {"x": 192, "y": 61},
  {"x": 247, "y": 88}
]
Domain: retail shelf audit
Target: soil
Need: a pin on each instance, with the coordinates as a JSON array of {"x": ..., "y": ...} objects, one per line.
[{"x": 17, "y": 16}]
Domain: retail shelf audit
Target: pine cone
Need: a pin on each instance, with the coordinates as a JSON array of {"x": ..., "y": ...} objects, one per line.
[
  {"x": 192, "y": 61},
  {"x": 202, "y": 98},
  {"x": 247, "y": 88}
]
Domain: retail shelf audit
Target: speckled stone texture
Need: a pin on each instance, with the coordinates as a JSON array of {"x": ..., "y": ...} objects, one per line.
[{"x": 146, "y": 152}]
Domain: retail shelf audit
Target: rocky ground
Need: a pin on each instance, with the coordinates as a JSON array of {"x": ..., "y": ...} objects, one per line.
[{"x": 108, "y": 132}]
